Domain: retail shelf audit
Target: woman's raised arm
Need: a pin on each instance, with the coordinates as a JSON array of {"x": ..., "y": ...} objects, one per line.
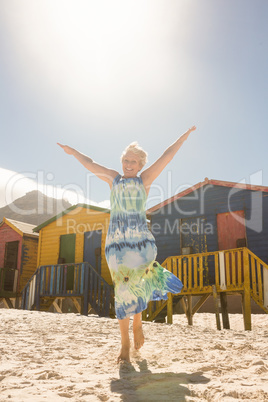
[
  {"x": 153, "y": 171},
  {"x": 100, "y": 171}
]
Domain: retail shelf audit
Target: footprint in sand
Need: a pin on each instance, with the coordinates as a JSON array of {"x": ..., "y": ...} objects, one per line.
[
  {"x": 261, "y": 370},
  {"x": 208, "y": 368},
  {"x": 76, "y": 357},
  {"x": 218, "y": 346},
  {"x": 47, "y": 375},
  {"x": 65, "y": 395}
]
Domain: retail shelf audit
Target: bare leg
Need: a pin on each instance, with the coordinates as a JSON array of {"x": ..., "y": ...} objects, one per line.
[
  {"x": 137, "y": 331},
  {"x": 125, "y": 343}
]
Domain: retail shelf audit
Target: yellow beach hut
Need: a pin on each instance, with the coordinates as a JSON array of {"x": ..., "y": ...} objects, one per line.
[
  {"x": 71, "y": 261},
  {"x": 76, "y": 235}
]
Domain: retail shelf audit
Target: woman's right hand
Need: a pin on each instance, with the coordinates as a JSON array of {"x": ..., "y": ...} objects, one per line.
[{"x": 66, "y": 149}]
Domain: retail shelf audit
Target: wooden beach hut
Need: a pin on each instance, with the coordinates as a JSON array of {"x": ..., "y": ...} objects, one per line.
[
  {"x": 71, "y": 260},
  {"x": 210, "y": 216},
  {"x": 74, "y": 236},
  {"x": 18, "y": 258},
  {"x": 215, "y": 233}
]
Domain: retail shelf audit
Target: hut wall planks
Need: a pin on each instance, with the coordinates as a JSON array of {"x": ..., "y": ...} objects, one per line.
[
  {"x": 77, "y": 221},
  {"x": 203, "y": 205}
]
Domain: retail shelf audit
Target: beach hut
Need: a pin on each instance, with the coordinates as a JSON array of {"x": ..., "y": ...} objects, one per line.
[
  {"x": 71, "y": 262},
  {"x": 18, "y": 258},
  {"x": 215, "y": 233},
  {"x": 212, "y": 215},
  {"x": 74, "y": 236}
]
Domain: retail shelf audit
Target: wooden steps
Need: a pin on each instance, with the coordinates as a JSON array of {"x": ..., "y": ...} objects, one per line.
[{"x": 87, "y": 291}]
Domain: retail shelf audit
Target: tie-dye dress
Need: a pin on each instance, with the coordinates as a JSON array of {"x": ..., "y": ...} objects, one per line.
[{"x": 131, "y": 251}]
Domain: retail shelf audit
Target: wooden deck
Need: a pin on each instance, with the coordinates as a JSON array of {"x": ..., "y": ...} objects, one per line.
[
  {"x": 80, "y": 283},
  {"x": 236, "y": 271}
]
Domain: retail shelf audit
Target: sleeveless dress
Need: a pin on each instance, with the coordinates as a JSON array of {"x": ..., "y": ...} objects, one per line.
[{"x": 130, "y": 251}]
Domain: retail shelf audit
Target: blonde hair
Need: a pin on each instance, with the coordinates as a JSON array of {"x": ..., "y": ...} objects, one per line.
[{"x": 137, "y": 150}]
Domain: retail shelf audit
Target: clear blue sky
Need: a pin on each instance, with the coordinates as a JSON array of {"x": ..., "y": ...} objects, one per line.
[{"x": 97, "y": 75}]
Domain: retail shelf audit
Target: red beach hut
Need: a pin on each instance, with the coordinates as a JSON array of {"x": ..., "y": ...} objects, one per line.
[{"x": 18, "y": 258}]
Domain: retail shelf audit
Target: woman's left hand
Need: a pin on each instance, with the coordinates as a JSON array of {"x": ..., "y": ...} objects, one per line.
[
  {"x": 192, "y": 129},
  {"x": 186, "y": 135}
]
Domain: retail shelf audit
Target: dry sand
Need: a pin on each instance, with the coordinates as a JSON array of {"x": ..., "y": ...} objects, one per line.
[{"x": 69, "y": 357}]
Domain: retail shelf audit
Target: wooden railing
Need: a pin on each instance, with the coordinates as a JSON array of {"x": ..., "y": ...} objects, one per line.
[
  {"x": 198, "y": 272},
  {"x": 69, "y": 280},
  {"x": 234, "y": 271},
  {"x": 258, "y": 277},
  {"x": 8, "y": 281}
]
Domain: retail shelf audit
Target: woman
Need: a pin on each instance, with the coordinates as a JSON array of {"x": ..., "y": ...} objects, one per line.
[{"x": 130, "y": 247}]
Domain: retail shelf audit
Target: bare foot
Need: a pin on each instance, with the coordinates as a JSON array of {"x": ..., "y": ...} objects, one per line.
[
  {"x": 138, "y": 337},
  {"x": 124, "y": 355}
]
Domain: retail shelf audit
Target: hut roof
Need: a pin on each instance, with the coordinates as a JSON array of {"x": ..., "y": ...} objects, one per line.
[
  {"x": 242, "y": 186},
  {"x": 66, "y": 211},
  {"x": 20, "y": 227}
]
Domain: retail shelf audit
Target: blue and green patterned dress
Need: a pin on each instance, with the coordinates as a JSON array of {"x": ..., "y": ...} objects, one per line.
[{"x": 131, "y": 251}]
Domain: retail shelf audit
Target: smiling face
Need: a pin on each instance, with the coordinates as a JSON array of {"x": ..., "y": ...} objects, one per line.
[{"x": 131, "y": 164}]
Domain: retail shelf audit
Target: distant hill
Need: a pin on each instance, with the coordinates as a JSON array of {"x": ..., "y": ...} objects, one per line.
[{"x": 34, "y": 208}]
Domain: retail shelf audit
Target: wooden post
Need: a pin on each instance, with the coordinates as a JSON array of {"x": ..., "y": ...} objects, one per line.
[
  {"x": 107, "y": 293},
  {"x": 17, "y": 302},
  {"x": 224, "y": 310},
  {"x": 265, "y": 287},
  {"x": 169, "y": 308},
  {"x": 86, "y": 290},
  {"x": 189, "y": 310},
  {"x": 150, "y": 308},
  {"x": 144, "y": 315},
  {"x": 246, "y": 294},
  {"x": 37, "y": 290},
  {"x": 22, "y": 306},
  {"x": 215, "y": 296},
  {"x": 222, "y": 270},
  {"x": 27, "y": 298}
]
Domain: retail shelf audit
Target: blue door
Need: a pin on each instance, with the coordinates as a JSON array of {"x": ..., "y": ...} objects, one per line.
[{"x": 92, "y": 249}]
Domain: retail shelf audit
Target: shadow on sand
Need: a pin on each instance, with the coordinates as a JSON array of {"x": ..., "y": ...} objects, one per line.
[{"x": 145, "y": 386}]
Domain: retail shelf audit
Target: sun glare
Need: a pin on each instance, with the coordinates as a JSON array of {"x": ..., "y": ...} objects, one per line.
[{"x": 93, "y": 54}]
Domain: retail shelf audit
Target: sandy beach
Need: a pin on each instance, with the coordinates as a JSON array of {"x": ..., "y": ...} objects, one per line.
[{"x": 69, "y": 357}]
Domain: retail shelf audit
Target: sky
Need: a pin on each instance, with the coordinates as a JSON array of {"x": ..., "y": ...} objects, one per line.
[{"x": 97, "y": 75}]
